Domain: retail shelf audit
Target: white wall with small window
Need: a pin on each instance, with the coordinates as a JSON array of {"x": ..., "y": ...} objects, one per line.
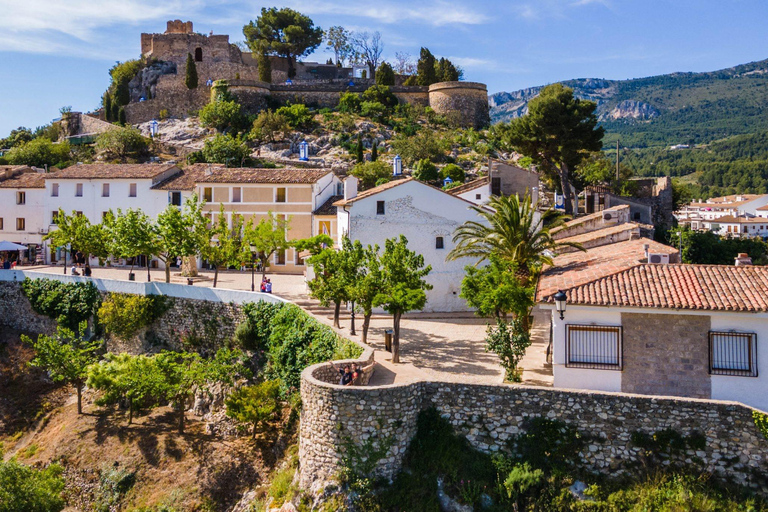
[{"x": 22, "y": 213}]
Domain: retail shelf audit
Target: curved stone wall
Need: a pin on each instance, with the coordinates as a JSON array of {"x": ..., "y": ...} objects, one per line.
[
  {"x": 465, "y": 103},
  {"x": 488, "y": 415}
]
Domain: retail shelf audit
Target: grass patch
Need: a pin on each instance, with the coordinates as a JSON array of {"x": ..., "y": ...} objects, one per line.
[{"x": 29, "y": 451}]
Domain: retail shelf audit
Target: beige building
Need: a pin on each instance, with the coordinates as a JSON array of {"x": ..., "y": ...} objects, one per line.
[{"x": 293, "y": 194}]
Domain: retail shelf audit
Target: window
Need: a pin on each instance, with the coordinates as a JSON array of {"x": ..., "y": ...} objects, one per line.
[
  {"x": 1, "y": 223},
  {"x": 280, "y": 195},
  {"x": 593, "y": 346},
  {"x": 132, "y": 190},
  {"x": 637, "y": 216},
  {"x": 79, "y": 214},
  {"x": 79, "y": 190},
  {"x": 439, "y": 242},
  {"x": 299, "y": 261},
  {"x": 105, "y": 190},
  {"x": 54, "y": 190},
  {"x": 175, "y": 198},
  {"x": 280, "y": 257},
  {"x": 104, "y": 215},
  {"x": 478, "y": 196},
  {"x": 324, "y": 227},
  {"x": 236, "y": 191},
  {"x": 54, "y": 217},
  {"x": 207, "y": 194},
  {"x": 379, "y": 207},
  {"x": 21, "y": 224},
  {"x": 733, "y": 353},
  {"x": 496, "y": 186},
  {"x": 21, "y": 197},
  {"x": 198, "y": 55}
]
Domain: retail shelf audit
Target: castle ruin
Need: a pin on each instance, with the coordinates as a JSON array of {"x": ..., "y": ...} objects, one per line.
[{"x": 160, "y": 86}]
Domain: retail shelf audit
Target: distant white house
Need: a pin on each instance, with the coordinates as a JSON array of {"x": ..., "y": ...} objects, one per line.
[
  {"x": 426, "y": 215},
  {"x": 659, "y": 329}
]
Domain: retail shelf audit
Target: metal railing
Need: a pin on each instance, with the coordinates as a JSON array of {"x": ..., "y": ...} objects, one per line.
[
  {"x": 597, "y": 347},
  {"x": 733, "y": 353}
]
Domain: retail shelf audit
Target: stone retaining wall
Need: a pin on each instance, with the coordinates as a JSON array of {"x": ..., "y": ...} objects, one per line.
[{"x": 488, "y": 415}]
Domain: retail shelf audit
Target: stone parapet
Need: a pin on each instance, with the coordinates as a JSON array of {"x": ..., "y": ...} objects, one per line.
[{"x": 465, "y": 102}]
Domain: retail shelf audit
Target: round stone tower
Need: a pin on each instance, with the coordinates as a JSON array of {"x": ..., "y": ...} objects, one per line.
[{"x": 465, "y": 103}]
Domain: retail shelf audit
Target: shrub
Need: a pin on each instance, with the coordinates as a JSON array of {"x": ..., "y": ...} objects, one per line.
[
  {"x": 113, "y": 484},
  {"x": 23, "y": 488},
  {"x": 426, "y": 171},
  {"x": 369, "y": 173},
  {"x": 257, "y": 326},
  {"x": 225, "y": 149},
  {"x": 269, "y": 127},
  {"x": 68, "y": 303},
  {"x": 298, "y": 115},
  {"x": 224, "y": 116},
  {"x": 381, "y": 94},
  {"x": 256, "y": 405},
  {"x": 163, "y": 114},
  {"x": 509, "y": 341},
  {"x": 521, "y": 481},
  {"x": 454, "y": 172},
  {"x": 373, "y": 110},
  {"x": 382, "y": 181},
  {"x": 385, "y": 75},
  {"x": 122, "y": 143},
  {"x": 349, "y": 102},
  {"x": 424, "y": 144},
  {"x": 124, "y": 314},
  {"x": 39, "y": 152}
]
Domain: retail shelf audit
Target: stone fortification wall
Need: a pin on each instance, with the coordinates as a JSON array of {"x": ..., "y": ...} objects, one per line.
[
  {"x": 489, "y": 415},
  {"x": 16, "y": 312},
  {"x": 466, "y": 102}
]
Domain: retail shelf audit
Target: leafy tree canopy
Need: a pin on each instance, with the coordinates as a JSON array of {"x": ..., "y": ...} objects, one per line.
[
  {"x": 26, "y": 489},
  {"x": 39, "y": 152},
  {"x": 122, "y": 144}
]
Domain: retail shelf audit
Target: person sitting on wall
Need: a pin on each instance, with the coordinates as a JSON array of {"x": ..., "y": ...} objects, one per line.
[
  {"x": 87, "y": 271},
  {"x": 268, "y": 286},
  {"x": 74, "y": 271}
]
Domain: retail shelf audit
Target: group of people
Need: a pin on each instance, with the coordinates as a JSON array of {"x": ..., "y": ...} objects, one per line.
[
  {"x": 79, "y": 261},
  {"x": 7, "y": 263},
  {"x": 352, "y": 374},
  {"x": 266, "y": 285}
]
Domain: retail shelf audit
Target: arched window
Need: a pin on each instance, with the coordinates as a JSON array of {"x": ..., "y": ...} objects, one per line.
[{"x": 198, "y": 55}]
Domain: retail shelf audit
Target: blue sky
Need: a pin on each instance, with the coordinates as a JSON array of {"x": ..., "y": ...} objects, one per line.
[{"x": 57, "y": 52}]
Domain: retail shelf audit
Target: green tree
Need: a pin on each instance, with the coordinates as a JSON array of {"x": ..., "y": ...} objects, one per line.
[
  {"x": 314, "y": 245},
  {"x": 338, "y": 39},
  {"x": 26, "y": 489},
  {"x": 39, "y": 152},
  {"x": 349, "y": 102},
  {"x": 380, "y": 94},
  {"x": 222, "y": 115},
  {"x": 495, "y": 291},
  {"x": 283, "y": 32},
  {"x": 175, "y": 233},
  {"x": 256, "y": 405},
  {"x": 121, "y": 74},
  {"x": 514, "y": 231},
  {"x": 17, "y": 137},
  {"x": 190, "y": 77},
  {"x": 107, "y": 104},
  {"x": 426, "y": 69},
  {"x": 221, "y": 245},
  {"x": 226, "y": 149},
  {"x": 375, "y": 151},
  {"x": 297, "y": 115},
  {"x": 71, "y": 233},
  {"x": 130, "y": 235},
  {"x": 336, "y": 271},
  {"x": 121, "y": 117},
  {"x": 264, "y": 66},
  {"x": 369, "y": 173},
  {"x": 66, "y": 357},
  {"x": 425, "y": 144},
  {"x": 557, "y": 132},
  {"x": 268, "y": 237},
  {"x": 454, "y": 172},
  {"x": 446, "y": 71},
  {"x": 509, "y": 341},
  {"x": 367, "y": 286},
  {"x": 359, "y": 157},
  {"x": 270, "y": 127},
  {"x": 122, "y": 143},
  {"x": 385, "y": 75},
  {"x": 403, "y": 285},
  {"x": 426, "y": 171}
]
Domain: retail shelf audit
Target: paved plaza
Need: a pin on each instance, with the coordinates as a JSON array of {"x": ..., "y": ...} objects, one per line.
[{"x": 434, "y": 346}]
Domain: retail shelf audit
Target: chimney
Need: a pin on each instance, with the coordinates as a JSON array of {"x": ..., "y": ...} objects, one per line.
[
  {"x": 646, "y": 247},
  {"x": 350, "y": 188},
  {"x": 743, "y": 259}
]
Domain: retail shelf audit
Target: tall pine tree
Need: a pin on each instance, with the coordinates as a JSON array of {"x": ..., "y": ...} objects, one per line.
[{"x": 190, "y": 80}]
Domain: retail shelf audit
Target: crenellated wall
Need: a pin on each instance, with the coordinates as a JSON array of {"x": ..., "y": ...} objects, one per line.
[{"x": 488, "y": 415}]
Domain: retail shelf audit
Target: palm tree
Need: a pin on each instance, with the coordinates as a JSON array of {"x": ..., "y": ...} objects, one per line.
[{"x": 514, "y": 231}]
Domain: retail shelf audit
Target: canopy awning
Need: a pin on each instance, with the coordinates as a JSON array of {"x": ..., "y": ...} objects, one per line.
[{"x": 10, "y": 246}]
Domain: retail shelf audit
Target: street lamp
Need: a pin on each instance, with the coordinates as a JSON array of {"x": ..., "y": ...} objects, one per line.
[
  {"x": 397, "y": 166},
  {"x": 560, "y": 301},
  {"x": 351, "y": 308},
  {"x": 304, "y": 151},
  {"x": 253, "y": 266}
]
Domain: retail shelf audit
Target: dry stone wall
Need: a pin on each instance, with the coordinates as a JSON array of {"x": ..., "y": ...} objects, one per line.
[
  {"x": 16, "y": 312},
  {"x": 489, "y": 415}
]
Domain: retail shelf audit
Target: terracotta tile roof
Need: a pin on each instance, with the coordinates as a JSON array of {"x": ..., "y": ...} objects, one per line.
[
  {"x": 730, "y": 219},
  {"x": 328, "y": 208},
  {"x": 677, "y": 286},
  {"x": 472, "y": 185},
  {"x": 26, "y": 180},
  {"x": 114, "y": 171},
  {"x": 601, "y": 233},
  {"x": 251, "y": 175},
  {"x": 184, "y": 180},
  {"x": 577, "y": 268},
  {"x": 373, "y": 191}
]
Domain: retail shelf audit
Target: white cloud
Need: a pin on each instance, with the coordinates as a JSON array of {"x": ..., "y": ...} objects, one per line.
[{"x": 472, "y": 62}]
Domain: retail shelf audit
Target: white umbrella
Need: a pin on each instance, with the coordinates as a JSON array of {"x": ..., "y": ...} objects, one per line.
[{"x": 10, "y": 246}]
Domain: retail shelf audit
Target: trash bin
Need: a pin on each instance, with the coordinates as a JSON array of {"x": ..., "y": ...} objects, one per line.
[
  {"x": 388, "y": 333},
  {"x": 190, "y": 282},
  {"x": 131, "y": 276}
]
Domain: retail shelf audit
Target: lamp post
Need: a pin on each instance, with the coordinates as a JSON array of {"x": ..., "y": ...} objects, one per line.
[
  {"x": 560, "y": 302},
  {"x": 304, "y": 151},
  {"x": 397, "y": 166},
  {"x": 351, "y": 307},
  {"x": 253, "y": 266}
]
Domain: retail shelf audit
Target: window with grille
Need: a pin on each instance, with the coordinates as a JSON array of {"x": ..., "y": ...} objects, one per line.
[
  {"x": 593, "y": 346},
  {"x": 733, "y": 353}
]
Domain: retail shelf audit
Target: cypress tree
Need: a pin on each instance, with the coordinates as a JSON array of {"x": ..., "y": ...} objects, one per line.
[
  {"x": 375, "y": 151},
  {"x": 359, "y": 152},
  {"x": 121, "y": 116},
  {"x": 115, "y": 111},
  {"x": 385, "y": 75},
  {"x": 107, "y": 106},
  {"x": 425, "y": 68},
  {"x": 191, "y": 78},
  {"x": 264, "y": 67}
]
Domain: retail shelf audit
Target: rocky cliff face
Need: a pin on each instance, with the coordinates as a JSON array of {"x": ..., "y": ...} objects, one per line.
[
  {"x": 629, "y": 109},
  {"x": 146, "y": 79}
]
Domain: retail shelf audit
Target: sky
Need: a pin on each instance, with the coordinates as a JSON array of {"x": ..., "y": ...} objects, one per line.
[{"x": 56, "y": 53}]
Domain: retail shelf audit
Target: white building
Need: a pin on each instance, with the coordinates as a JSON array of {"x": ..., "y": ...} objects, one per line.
[
  {"x": 22, "y": 197},
  {"x": 661, "y": 329},
  {"x": 426, "y": 215},
  {"x": 737, "y": 226},
  {"x": 476, "y": 191},
  {"x": 737, "y": 205}
]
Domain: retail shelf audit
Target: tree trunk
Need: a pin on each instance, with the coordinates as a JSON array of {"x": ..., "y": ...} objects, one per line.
[
  {"x": 263, "y": 268},
  {"x": 167, "y": 271},
  {"x": 130, "y": 412},
  {"x": 255, "y": 423},
  {"x": 336, "y": 313},
  {"x": 565, "y": 183},
  {"x": 182, "y": 403},
  {"x": 366, "y": 325},
  {"x": 215, "y": 276},
  {"x": 148, "y": 276},
  {"x": 133, "y": 260},
  {"x": 79, "y": 398},
  {"x": 65, "y": 262},
  {"x": 396, "y": 338}
]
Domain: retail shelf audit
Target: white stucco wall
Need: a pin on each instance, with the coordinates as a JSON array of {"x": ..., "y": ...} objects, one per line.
[
  {"x": 484, "y": 191},
  {"x": 421, "y": 213},
  {"x": 31, "y": 211}
]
